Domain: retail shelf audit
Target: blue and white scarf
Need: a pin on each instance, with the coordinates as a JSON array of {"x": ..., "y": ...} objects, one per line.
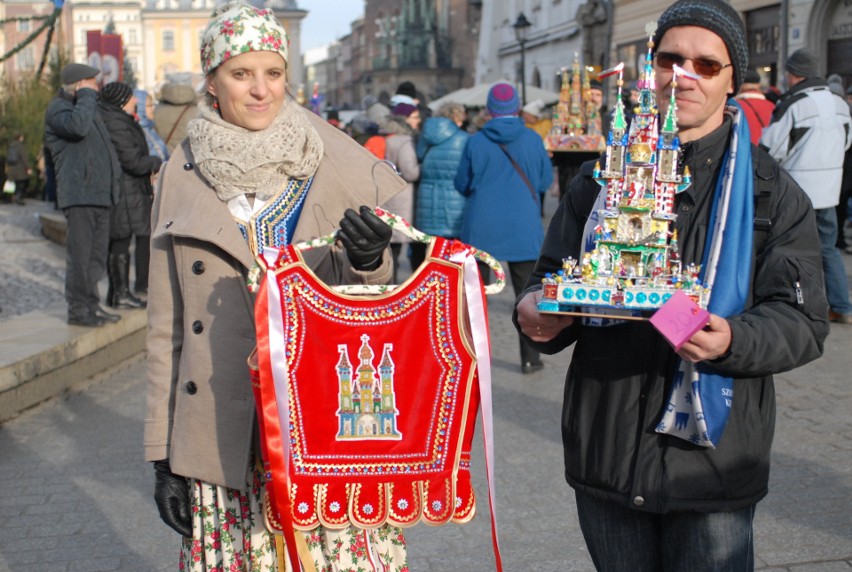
[{"x": 697, "y": 411}]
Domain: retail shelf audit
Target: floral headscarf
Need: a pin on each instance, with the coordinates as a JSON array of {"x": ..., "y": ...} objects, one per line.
[{"x": 236, "y": 28}]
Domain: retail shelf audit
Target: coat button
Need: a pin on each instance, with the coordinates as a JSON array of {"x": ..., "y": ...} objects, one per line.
[
  {"x": 198, "y": 267},
  {"x": 191, "y": 388},
  {"x": 197, "y": 327},
  {"x": 638, "y": 501},
  {"x": 187, "y": 166}
]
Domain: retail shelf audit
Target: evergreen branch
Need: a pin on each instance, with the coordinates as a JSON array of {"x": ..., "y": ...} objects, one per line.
[{"x": 49, "y": 21}]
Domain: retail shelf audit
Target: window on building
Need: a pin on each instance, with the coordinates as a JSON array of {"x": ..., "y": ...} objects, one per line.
[
  {"x": 25, "y": 59},
  {"x": 24, "y": 25},
  {"x": 131, "y": 37},
  {"x": 168, "y": 40}
]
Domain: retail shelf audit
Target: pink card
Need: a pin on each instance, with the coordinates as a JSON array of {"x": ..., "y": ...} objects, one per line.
[{"x": 679, "y": 318}]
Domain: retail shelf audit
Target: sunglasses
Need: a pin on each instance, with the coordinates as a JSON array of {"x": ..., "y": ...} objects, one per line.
[{"x": 704, "y": 67}]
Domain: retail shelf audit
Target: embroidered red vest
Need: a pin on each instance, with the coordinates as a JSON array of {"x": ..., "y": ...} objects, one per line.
[{"x": 366, "y": 404}]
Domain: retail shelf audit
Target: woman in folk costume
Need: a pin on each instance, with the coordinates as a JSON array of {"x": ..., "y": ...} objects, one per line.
[{"x": 255, "y": 169}]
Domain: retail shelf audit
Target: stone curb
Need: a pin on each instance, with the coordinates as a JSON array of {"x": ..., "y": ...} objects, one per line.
[
  {"x": 41, "y": 356},
  {"x": 53, "y": 226}
]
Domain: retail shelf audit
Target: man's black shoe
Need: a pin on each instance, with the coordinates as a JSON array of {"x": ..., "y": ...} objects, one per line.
[
  {"x": 89, "y": 321},
  {"x": 106, "y": 316},
  {"x": 531, "y": 367}
]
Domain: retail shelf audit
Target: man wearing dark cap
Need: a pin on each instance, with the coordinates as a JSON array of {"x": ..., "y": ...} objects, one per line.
[
  {"x": 596, "y": 97},
  {"x": 87, "y": 173},
  {"x": 652, "y": 492},
  {"x": 757, "y": 109},
  {"x": 407, "y": 88},
  {"x": 810, "y": 131}
]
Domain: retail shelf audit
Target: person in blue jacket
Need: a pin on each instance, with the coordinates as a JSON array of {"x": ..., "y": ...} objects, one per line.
[
  {"x": 504, "y": 172},
  {"x": 144, "y": 116},
  {"x": 439, "y": 207}
]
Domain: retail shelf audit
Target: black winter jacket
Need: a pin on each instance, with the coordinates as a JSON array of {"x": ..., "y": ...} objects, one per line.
[
  {"x": 620, "y": 376},
  {"x": 132, "y": 213},
  {"x": 87, "y": 169}
]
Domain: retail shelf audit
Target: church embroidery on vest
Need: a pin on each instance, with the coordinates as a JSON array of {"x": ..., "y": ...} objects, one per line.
[{"x": 367, "y": 401}]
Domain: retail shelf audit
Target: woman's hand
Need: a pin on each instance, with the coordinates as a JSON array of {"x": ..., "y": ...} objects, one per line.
[
  {"x": 537, "y": 326},
  {"x": 365, "y": 237},
  {"x": 171, "y": 493}
]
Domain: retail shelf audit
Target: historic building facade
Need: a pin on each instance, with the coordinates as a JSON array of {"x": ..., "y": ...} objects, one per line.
[
  {"x": 160, "y": 37},
  {"x": 20, "y": 26},
  {"x": 554, "y": 36},
  {"x": 173, "y": 31},
  {"x": 431, "y": 43},
  {"x": 825, "y": 26}
]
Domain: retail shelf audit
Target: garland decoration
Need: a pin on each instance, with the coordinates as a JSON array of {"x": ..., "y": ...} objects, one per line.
[
  {"x": 50, "y": 29},
  {"x": 23, "y": 19},
  {"x": 48, "y": 23}
]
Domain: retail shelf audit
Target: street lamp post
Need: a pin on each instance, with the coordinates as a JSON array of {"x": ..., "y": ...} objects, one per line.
[{"x": 521, "y": 26}]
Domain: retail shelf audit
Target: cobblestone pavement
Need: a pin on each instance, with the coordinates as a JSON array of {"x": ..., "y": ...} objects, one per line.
[
  {"x": 32, "y": 269},
  {"x": 75, "y": 494}
]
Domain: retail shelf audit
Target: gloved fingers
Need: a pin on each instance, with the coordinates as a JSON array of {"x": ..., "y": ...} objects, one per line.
[
  {"x": 343, "y": 237},
  {"x": 379, "y": 227},
  {"x": 358, "y": 231},
  {"x": 171, "y": 495},
  {"x": 176, "y": 513}
]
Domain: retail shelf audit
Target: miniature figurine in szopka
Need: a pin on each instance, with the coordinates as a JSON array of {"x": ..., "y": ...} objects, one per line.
[
  {"x": 576, "y": 119},
  {"x": 630, "y": 263}
]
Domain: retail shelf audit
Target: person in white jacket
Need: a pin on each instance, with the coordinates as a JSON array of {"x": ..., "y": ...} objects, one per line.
[{"x": 810, "y": 131}]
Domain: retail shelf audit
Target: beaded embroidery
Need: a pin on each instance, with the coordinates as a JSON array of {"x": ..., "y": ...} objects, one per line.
[
  {"x": 428, "y": 394},
  {"x": 275, "y": 224}
]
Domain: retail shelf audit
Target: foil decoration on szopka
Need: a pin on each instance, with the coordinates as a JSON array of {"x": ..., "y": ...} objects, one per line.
[
  {"x": 576, "y": 120},
  {"x": 630, "y": 265}
]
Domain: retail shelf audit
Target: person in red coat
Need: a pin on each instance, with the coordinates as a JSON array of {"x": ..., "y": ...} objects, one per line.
[{"x": 758, "y": 109}]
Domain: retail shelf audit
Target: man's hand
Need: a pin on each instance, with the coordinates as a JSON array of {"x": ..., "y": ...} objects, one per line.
[
  {"x": 711, "y": 343},
  {"x": 89, "y": 82},
  {"x": 537, "y": 326}
]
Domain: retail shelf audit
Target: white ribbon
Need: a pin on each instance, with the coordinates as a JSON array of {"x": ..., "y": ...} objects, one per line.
[
  {"x": 479, "y": 331},
  {"x": 278, "y": 352}
]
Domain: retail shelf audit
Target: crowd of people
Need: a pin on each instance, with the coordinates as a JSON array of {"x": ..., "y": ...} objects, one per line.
[
  {"x": 105, "y": 153},
  {"x": 193, "y": 180}
]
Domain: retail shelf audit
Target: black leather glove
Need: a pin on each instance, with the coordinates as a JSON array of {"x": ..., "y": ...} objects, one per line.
[
  {"x": 171, "y": 493},
  {"x": 364, "y": 236}
]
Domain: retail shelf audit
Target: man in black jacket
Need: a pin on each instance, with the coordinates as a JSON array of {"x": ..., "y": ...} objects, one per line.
[
  {"x": 648, "y": 500},
  {"x": 87, "y": 172}
]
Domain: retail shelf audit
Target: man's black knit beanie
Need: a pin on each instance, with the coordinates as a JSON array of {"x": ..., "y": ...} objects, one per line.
[{"x": 717, "y": 16}]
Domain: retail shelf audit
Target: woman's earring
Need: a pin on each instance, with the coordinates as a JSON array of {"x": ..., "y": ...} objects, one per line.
[{"x": 215, "y": 103}]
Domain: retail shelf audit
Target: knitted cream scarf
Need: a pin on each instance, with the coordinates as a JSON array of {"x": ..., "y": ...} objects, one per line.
[{"x": 237, "y": 161}]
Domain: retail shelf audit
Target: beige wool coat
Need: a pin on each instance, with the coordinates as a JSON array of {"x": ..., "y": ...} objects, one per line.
[{"x": 200, "y": 409}]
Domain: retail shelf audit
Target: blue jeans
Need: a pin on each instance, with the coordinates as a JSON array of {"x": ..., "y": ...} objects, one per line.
[
  {"x": 620, "y": 538},
  {"x": 836, "y": 285}
]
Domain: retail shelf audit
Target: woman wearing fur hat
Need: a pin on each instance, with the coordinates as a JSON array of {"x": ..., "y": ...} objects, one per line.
[
  {"x": 132, "y": 214},
  {"x": 254, "y": 169}
]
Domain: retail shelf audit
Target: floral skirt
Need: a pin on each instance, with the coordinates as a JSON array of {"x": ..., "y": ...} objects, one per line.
[{"x": 229, "y": 534}]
